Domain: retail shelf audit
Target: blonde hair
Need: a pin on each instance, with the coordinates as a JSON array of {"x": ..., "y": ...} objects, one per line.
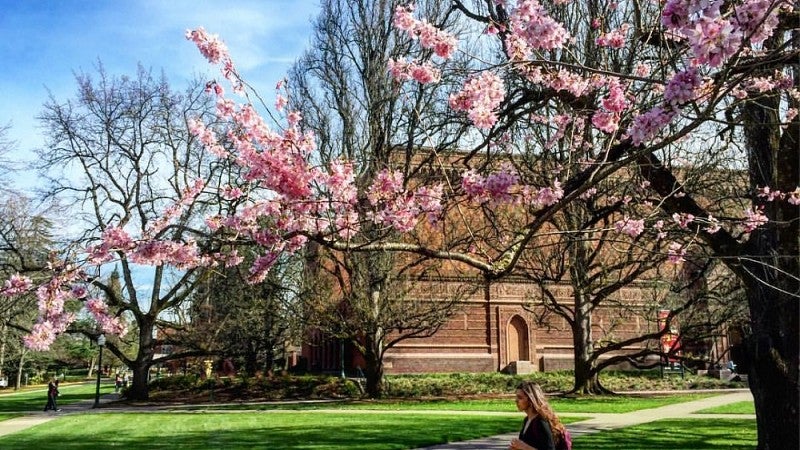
[{"x": 538, "y": 403}]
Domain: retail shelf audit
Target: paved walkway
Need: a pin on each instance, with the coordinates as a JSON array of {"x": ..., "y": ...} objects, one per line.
[
  {"x": 598, "y": 422},
  {"x": 601, "y": 422},
  {"x": 32, "y": 419}
]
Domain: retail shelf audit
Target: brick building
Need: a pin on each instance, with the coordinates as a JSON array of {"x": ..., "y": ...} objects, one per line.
[{"x": 492, "y": 331}]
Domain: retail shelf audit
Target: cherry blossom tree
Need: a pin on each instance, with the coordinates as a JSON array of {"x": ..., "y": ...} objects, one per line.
[
  {"x": 648, "y": 87},
  {"x": 121, "y": 156}
]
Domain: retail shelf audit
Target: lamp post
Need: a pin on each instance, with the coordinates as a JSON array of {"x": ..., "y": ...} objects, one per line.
[{"x": 101, "y": 341}]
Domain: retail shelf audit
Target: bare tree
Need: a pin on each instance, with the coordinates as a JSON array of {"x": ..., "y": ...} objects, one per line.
[
  {"x": 343, "y": 88},
  {"x": 118, "y": 154}
]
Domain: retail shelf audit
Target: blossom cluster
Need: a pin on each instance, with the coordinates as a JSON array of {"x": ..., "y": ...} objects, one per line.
[
  {"x": 631, "y": 227},
  {"x": 430, "y": 37},
  {"x": 215, "y": 51},
  {"x": 398, "y": 208},
  {"x": 411, "y": 70},
  {"x": 715, "y": 37},
  {"x": 532, "y": 28},
  {"x": 52, "y": 296},
  {"x": 498, "y": 186},
  {"x": 480, "y": 97}
]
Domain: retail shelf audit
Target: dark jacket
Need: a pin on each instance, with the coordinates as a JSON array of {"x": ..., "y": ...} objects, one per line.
[{"x": 538, "y": 434}]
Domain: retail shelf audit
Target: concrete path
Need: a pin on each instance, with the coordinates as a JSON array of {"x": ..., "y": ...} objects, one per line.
[
  {"x": 32, "y": 419},
  {"x": 601, "y": 422}
]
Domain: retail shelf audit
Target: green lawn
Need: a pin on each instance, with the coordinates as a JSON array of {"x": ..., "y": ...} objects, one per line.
[
  {"x": 675, "y": 434},
  {"x": 291, "y": 430},
  {"x": 732, "y": 408},
  {"x": 594, "y": 404},
  {"x": 8, "y": 416},
  {"x": 36, "y": 399}
]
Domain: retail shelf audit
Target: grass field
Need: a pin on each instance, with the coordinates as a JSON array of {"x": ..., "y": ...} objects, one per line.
[
  {"x": 675, "y": 434},
  {"x": 34, "y": 400},
  {"x": 732, "y": 408},
  {"x": 370, "y": 425},
  {"x": 293, "y": 430},
  {"x": 595, "y": 404}
]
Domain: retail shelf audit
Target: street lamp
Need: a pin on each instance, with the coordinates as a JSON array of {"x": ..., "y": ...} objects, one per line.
[{"x": 101, "y": 341}]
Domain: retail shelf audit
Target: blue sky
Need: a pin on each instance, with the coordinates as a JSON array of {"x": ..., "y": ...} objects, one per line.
[{"x": 43, "y": 43}]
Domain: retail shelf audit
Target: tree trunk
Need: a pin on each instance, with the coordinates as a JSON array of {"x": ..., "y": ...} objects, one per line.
[
  {"x": 20, "y": 369},
  {"x": 251, "y": 361},
  {"x": 139, "y": 389},
  {"x": 373, "y": 359},
  {"x": 586, "y": 378},
  {"x": 772, "y": 363},
  {"x": 770, "y": 274},
  {"x": 91, "y": 367},
  {"x": 3, "y": 337}
]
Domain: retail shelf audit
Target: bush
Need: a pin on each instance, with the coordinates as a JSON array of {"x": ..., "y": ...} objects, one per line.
[
  {"x": 282, "y": 387},
  {"x": 174, "y": 383}
]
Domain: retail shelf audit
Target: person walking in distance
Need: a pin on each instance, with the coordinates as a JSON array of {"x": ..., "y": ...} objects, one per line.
[
  {"x": 52, "y": 396},
  {"x": 541, "y": 429}
]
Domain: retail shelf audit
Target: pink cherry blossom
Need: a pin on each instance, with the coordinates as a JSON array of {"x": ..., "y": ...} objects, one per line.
[
  {"x": 15, "y": 285},
  {"x": 589, "y": 193},
  {"x": 757, "y": 19},
  {"x": 605, "y": 121},
  {"x": 641, "y": 69},
  {"x": 422, "y": 73},
  {"x": 430, "y": 37},
  {"x": 646, "y": 126},
  {"x": 712, "y": 224},
  {"x": 549, "y": 195},
  {"x": 794, "y": 197},
  {"x": 209, "y": 45},
  {"x": 480, "y": 97},
  {"x": 386, "y": 185},
  {"x": 768, "y": 194},
  {"x": 261, "y": 266},
  {"x": 676, "y": 253},
  {"x": 755, "y": 219},
  {"x": 631, "y": 227},
  {"x": 499, "y": 184},
  {"x": 683, "y": 219},
  {"x": 429, "y": 201},
  {"x": 41, "y": 337},
  {"x": 714, "y": 40},
  {"x": 614, "y": 38},
  {"x": 532, "y": 28},
  {"x": 682, "y": 87},
  {"x": 615, "y": 101},
  {"x": 78, "y": 291},
  {"x": 404, "y": 17}
]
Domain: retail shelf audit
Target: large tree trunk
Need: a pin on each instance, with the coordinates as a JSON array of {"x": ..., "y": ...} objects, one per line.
[
  {"x": 772, "y": 367},
  {"x": 139, "y": 389},
  {"x": 771, "y": 267},
  {"x": 586, "y": 377},
  {"x": 373, "y": 359},
  {"x": 251, "y": 360}
]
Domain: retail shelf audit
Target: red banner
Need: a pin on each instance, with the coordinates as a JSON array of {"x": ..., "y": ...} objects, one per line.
[{"x": 670, "y": 340}]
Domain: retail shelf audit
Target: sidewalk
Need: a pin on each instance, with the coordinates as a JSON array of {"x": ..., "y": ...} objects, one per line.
[
  {"x": 601, "y": 422},
  {"x": 32, "y": 419}
]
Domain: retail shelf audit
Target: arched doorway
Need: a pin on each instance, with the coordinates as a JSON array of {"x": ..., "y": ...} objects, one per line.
[{"x": 517, "y": 340}]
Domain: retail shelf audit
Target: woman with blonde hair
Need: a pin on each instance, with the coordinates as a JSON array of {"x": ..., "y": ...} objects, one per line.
[{"x": 542, "y": 429}]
